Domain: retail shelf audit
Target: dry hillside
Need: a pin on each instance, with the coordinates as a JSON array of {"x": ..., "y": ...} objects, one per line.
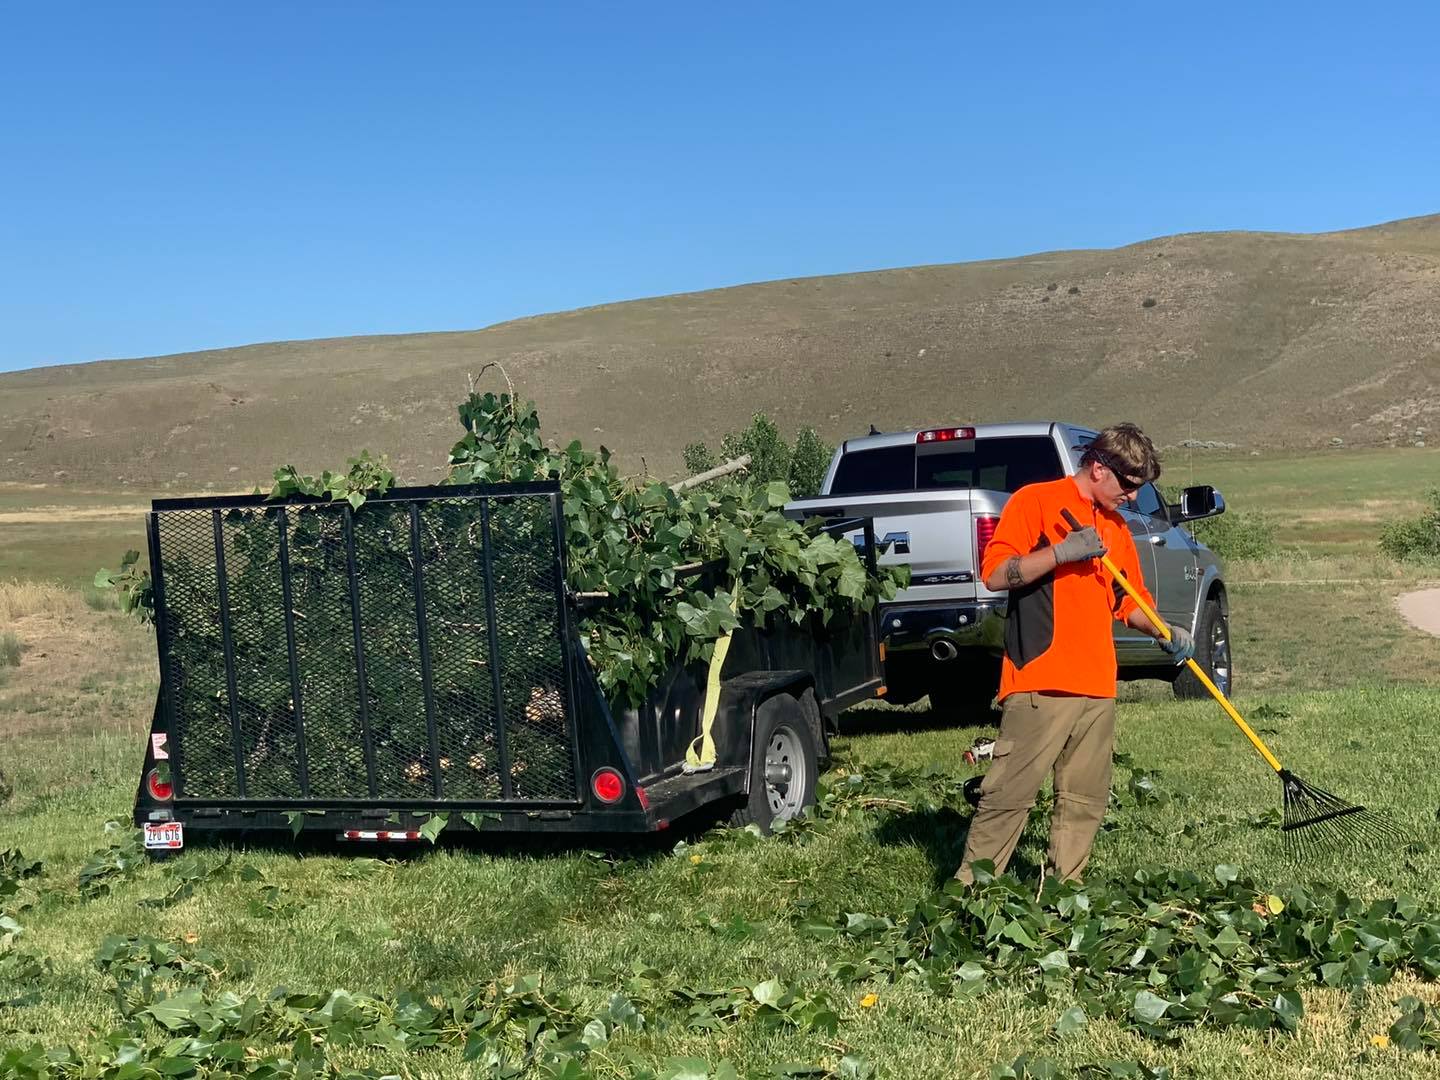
[{"x": 1257, "y": 339}]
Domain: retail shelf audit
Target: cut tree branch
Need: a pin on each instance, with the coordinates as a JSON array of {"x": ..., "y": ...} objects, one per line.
[{"x": 739, "y": 463}]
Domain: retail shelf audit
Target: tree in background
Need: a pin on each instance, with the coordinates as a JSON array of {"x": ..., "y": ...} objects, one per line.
[{"x": 802, "y": 465}]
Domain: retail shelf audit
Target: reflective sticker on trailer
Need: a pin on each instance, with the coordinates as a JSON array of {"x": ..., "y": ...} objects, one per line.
[
  {"x": 164, "y": 834},
  {"x": 157, "y": 747}
]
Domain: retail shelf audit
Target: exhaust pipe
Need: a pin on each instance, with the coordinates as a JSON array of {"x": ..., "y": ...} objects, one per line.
[{"x": 943, "y": 649}]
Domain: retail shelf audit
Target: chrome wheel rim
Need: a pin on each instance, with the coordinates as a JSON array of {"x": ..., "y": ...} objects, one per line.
[
  {"x": 784, "y": 774},
  {"x": 1220, "y": 654}
]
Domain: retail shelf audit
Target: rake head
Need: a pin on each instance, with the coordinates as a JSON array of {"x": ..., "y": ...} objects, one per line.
[{"x": 1316, "y": 820}]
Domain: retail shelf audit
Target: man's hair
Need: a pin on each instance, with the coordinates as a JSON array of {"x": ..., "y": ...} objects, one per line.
[{"x": 1128, "y": 446}]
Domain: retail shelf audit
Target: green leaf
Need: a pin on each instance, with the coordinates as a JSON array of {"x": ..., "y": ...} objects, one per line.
[
  {"x": 770, "y": 992},
  {"x": 1071, "y": 1020},
  {"x": 1150, "y": 1008},
  {"x": 178, "y": 1012},
  {"x": 1225, "y": 873},
  {"x": 1055, "y": 961},
  {"x": 1017, "y": 933},
  {"x": 677, "y": 1068},
  {"x": 433, "y": 826}
]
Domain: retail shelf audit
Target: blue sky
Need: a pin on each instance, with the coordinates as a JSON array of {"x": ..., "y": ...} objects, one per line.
[{"x": 188, "y": 176}]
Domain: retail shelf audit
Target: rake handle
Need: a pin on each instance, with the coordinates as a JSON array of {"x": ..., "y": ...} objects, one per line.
[{"x": 1195, "y": 669}]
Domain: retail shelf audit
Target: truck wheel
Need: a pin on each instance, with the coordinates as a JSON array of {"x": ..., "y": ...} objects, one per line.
[
  {"x": 1212, "y": 653},
  {"x": 785, "y": 765}
]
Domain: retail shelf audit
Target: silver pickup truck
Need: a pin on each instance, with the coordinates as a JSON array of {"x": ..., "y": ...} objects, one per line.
[{"x": 935, "y": 496}]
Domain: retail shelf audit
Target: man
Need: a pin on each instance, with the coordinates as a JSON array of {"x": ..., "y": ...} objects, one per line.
[{"x": 1057, "y": 680}]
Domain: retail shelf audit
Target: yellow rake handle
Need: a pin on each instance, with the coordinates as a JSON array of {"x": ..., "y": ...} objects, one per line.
[{"x": 1195, "y": 669}]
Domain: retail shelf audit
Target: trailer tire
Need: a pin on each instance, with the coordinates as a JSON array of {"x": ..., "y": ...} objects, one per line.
[{"x": 784, "y": 765}]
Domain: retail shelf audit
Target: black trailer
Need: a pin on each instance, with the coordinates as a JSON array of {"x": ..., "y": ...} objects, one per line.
[{"x": 360, "y": 672}]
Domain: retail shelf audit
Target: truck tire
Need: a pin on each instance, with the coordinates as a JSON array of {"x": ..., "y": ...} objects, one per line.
[
  {"x": 784, "y": 767},
  {"x": 1212, "y": 653}
]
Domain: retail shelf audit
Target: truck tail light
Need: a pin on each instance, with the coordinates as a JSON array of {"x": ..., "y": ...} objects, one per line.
[
  {"x": 944, "y": 434},
  {"x": 984, "y": 533},
  {"x": 160, "y": 789},
  {"x": 608, "y": 785}
]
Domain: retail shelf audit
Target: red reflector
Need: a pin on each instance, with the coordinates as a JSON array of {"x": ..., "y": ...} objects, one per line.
[
  {"x": 159, "y": 789},
  {"x": 945, "y": 434},
  {"x": 984, "y": 533},
  {"x": 644, "y": 799},
  {"x": 608, "y": 785}
]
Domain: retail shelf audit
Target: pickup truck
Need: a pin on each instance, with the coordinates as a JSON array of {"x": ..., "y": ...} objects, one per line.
[{"x": 935, "y": 497}]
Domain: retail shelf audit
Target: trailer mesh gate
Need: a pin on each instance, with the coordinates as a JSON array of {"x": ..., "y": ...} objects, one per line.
[{"x": 410, "y": 651}]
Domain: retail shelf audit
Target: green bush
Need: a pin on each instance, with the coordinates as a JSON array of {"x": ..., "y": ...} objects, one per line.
[
  {"x": 698, "y": 459},
  {"x": 809, "y": 461},
  {"x": 1235, "y": 534},
  {"x": 802, "y": 465},
  {"x": 1415, "y": 538},
  {"x": 1238, "y": 534}
]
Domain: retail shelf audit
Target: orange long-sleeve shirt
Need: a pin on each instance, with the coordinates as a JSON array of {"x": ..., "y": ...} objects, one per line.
[{"x": 1058, "y": 629}]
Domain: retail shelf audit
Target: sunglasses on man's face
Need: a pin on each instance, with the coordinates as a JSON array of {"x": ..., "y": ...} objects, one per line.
[{"x": 1128, "y": 484}]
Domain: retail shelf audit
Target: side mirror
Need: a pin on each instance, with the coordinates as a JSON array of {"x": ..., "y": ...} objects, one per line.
[{"x": 1196, "y": 503}]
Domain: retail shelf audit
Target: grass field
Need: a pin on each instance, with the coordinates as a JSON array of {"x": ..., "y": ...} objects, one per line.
[{"x": 1345, "y": 693}]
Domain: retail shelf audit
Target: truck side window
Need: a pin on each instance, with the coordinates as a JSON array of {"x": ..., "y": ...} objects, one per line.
[
  {"x": 865, "y": 472},
  {"x": 1148, "y": 501}
]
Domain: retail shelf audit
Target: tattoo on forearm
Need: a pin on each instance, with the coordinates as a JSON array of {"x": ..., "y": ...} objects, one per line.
[{"x": 1013, "y": 577}]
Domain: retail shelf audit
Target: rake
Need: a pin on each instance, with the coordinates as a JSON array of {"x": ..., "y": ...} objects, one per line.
[{"x": 1312, "y": 819}]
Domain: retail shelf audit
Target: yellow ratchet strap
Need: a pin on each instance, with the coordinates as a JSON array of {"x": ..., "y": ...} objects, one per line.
[{"x": 701, "y": 754}]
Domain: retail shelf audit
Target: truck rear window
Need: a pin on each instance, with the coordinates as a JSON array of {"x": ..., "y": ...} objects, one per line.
[{"x": 996, "y": 464}]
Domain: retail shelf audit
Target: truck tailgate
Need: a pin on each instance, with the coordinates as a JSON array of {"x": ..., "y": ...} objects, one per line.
[{"x": 931, "y": 531}]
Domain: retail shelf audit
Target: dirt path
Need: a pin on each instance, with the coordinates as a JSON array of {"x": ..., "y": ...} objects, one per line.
[{"x": 1421, "y": 609}]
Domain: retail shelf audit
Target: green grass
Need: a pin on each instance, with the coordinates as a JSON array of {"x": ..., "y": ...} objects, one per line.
[
  {"x": 455, "y": 917},
  {"x": 1326, "y": 502},
  {"x": 65, "y": 535}
]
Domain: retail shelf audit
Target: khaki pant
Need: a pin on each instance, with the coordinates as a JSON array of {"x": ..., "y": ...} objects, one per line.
[{"x": 1075, "y": 736}]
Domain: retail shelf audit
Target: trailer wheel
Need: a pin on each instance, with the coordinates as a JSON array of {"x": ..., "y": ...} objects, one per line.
[{"x": 784, "y": 768}]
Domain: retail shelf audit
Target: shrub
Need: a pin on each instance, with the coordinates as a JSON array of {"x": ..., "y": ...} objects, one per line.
[
  {"x": 98, "y": 599},
  {"x": 802, "y": 465},
  {"x": 809, "y": 461},
  {"x": 1415, "y": 538},
  {"x": 1238, "y": 534},
  {"x": 698, "y": 459},
  {"x": 10, "y": 649}
]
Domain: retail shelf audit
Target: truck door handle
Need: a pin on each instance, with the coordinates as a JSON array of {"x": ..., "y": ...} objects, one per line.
[{"x": 1158, "y": 541}]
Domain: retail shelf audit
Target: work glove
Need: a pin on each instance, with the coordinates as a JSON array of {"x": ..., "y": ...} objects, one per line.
[
  {"x": 1080, "y": 545},
  {"x": 1181, "y": 645}
]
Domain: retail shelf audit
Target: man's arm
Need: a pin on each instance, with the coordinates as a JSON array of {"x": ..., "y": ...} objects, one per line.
[
  {"x": 1020, "y": 570},
  {"x": 1137, "y": 620}
]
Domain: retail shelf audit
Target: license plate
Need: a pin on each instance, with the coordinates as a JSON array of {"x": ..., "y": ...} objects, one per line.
[{"x": 164, "y": 834}]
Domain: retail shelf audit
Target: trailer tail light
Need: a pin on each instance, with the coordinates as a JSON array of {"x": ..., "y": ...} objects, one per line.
[
  {"x": 945, "y": 434},
  {"x": 644, "y": 799},
  {"x": 608, "y": 786},
  {"x": 160, "y": 789},
  {"x": 984, "y": 533}
]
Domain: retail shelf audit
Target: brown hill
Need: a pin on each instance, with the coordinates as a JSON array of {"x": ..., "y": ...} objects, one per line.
[{"x": 1256, "y": 339}]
